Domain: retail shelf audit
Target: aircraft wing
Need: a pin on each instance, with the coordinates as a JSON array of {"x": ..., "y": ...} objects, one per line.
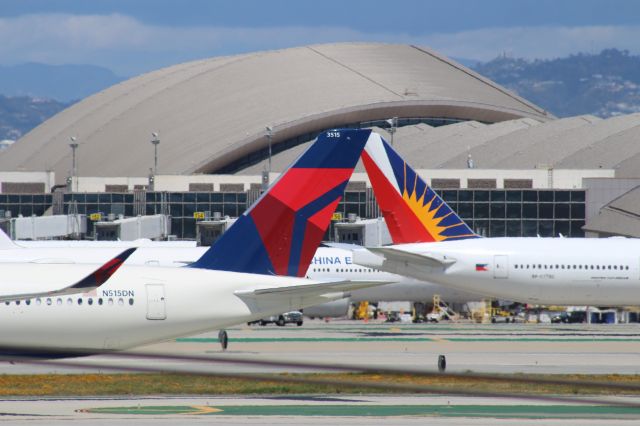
[
  {"x": 91, "y": 282},
  {"x": 397, "y": 257},
  {"x": 312, "y": 289}
]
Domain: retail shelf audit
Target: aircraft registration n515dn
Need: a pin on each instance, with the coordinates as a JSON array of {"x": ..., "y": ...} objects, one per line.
[
  {"x": 432, "y": 243},
  {"x": 240, "y": 278}
]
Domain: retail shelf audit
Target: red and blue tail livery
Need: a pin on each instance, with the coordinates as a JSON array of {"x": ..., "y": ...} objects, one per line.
[
  {"x": 280, "y": 233},
  {"x": 414, "y": 213}
]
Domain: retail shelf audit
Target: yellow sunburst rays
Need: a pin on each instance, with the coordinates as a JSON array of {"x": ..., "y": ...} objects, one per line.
[{"x": 424, "y": 211}]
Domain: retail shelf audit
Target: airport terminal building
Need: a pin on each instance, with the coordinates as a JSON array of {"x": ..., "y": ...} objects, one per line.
[{"x": 224, "y": 127}]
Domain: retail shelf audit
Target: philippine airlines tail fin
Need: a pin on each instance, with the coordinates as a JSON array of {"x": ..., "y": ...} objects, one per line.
[
  {"x": 414, "y": 213},
  {"x": 281, "y": 231}
]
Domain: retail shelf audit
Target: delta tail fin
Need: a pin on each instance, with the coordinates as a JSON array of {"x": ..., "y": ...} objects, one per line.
[
  {"x": 281, "y": 231},
  {"x": 414, "y": 213}
]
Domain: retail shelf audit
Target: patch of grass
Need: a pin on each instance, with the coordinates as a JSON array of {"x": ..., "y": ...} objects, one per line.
[{"x": 176, "y": 384}]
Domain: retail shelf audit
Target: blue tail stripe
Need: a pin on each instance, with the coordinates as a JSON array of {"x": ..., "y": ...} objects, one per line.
[
  {"x": 239, "y": 249},
  {"x": 322, "y": 155},
  {"x": 460, "y": 229}
]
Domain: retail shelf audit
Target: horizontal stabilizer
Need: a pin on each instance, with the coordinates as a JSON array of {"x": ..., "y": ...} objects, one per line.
[
  {"x": 89, "y": 283},
  {"x": 390, "y": 255},
  {"x": 312, "y": 289},
  {"x": 6, "y": 242}
]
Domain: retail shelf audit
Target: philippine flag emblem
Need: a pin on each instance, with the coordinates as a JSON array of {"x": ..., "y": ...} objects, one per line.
[{"x": 481, "y": 267}]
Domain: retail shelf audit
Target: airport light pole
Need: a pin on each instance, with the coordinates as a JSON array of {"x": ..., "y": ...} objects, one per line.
[
  {"x": 74, "y": 169},
  {"x": 393, "y": 123},
  {"x": 269, "y": 138},
  {"x": 155, "y": 141}
]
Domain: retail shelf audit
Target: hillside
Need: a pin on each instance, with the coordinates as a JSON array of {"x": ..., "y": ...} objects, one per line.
[
  {"x": 603, "y": 84},
  {"x": 19, "y": 114}
]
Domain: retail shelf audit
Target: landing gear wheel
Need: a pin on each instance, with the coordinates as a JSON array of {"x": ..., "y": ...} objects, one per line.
[
  {"x": 442, "y": 363},
  {"x": 280, "y": 322},
  {"x": 299, "y": 323},
  {"x": 223, "y": 338}
]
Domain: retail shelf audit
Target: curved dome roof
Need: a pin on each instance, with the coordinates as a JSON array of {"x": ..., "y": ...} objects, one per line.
[{"x": 212, "y": 112}]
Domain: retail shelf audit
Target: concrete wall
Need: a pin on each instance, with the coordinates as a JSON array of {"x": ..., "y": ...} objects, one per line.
[
  {"x": 541, "y": 179},
  {"x": 46, "y": 178}
]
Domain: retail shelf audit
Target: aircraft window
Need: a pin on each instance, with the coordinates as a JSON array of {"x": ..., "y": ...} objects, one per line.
[
  {"x": 110, "y": 301},
  {"x": 28, "y": 301},
  {"x": 7, "y": 303},
  {"x": 591, "y": 267},
  {"x": 527, "y": 266},
  {"x": 516, "y": 266},
  {"x": 59, "y": 301},
  {"x": 17, "y": 302},
  {"x": 597, "y": 266},
  {"x": 48, "y": 301},
  {"x": 608, "y": 266},
  {"x": 120, "y": 302},
  {"x": 69, "y": 301},
  {"x": 627, "y": 268},
  {"x": 90, "y": 301},
  {"x": 562, "y": 266},
  {"x": 38, "y": 302},
  {"x": 545, "y": 266},
  {"x": 539, "y": 266},
  {"x": 100, "y": 301},
  {"x": 79, "y": 300},
  {"x": 131, "y": 301},
  {"x": 615, "y": 266}
]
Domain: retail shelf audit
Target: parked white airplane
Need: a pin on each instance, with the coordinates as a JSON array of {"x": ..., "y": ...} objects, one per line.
[
  {"x": 235, "y": 281},
  {"x": 149, "y": 253},
  {"x": 432, "y": 243},
  {"x": 333, "y": 263}
]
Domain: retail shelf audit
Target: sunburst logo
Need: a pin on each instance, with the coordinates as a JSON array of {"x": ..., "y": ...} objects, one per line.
[{"x": 426, "y": 206}]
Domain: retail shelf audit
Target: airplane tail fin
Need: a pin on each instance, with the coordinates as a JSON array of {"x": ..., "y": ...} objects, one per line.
[
  {"x": 6, "y": 242},
  {"x": 281, "y": 231},
  {"x": 414, "y": 213}
]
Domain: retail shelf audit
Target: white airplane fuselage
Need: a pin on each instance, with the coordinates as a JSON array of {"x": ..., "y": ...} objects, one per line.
[
  {"x": 559, "y": 271},
  {"x": 136, "y": 306},
  {"x": 337, "y": 263},
  {"x": 329, "y": 263}
]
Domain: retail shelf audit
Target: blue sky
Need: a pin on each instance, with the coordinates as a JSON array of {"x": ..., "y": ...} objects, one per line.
[{"x": 134, "y": 36}]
